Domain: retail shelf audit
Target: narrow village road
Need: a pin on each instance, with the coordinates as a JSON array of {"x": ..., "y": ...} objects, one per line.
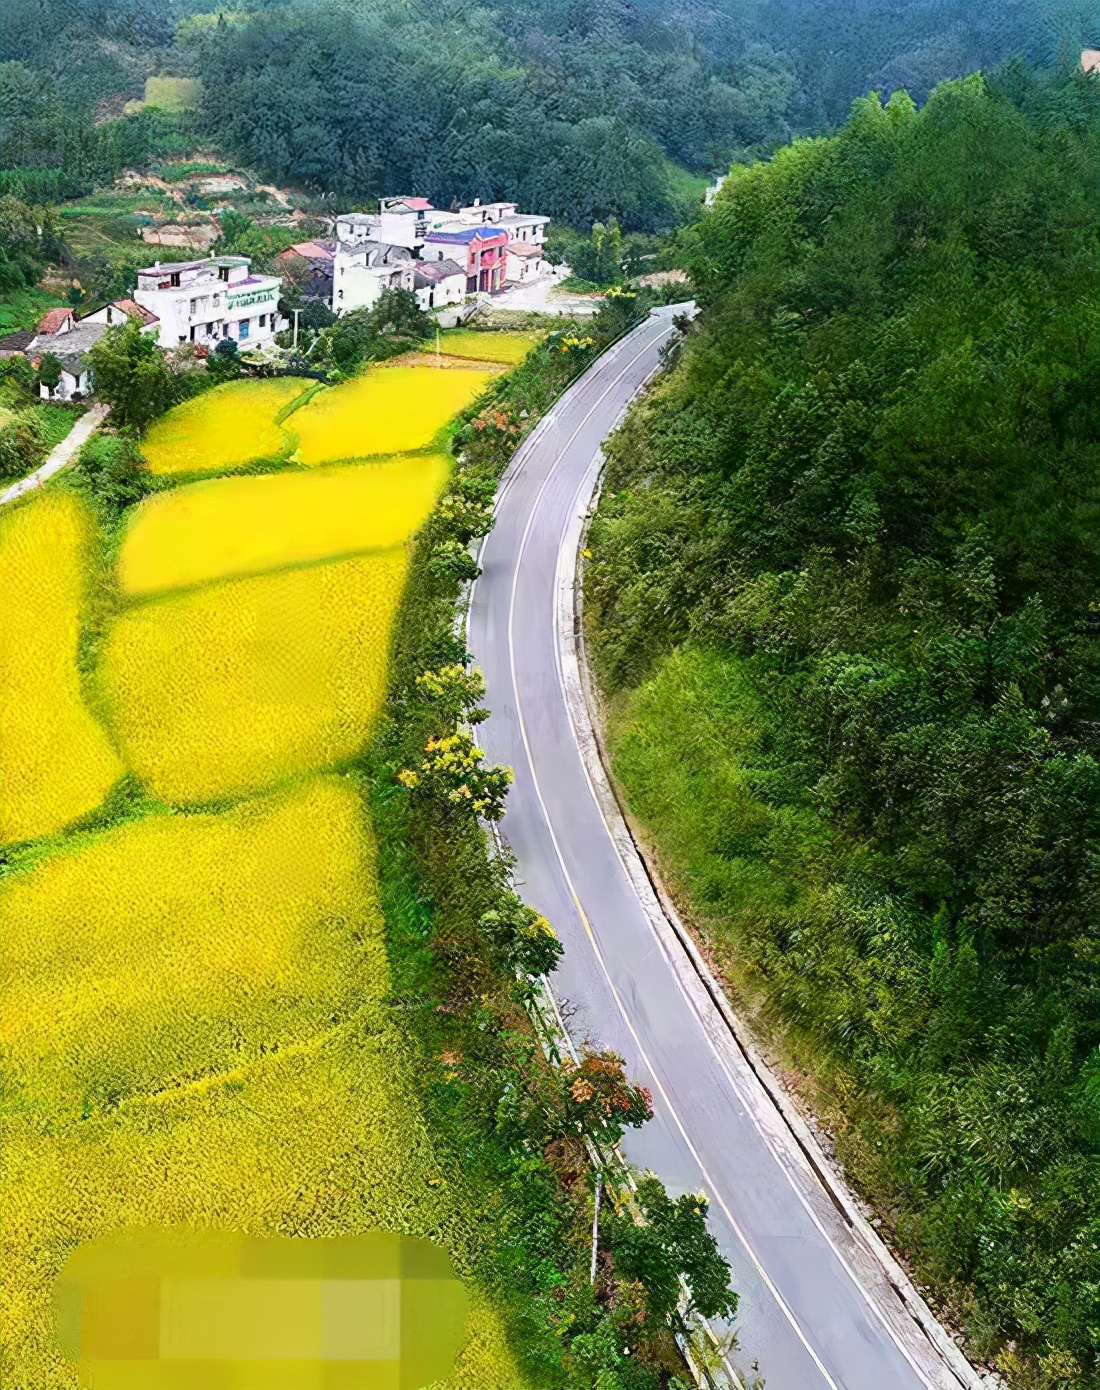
[
  {"x": 60, "y": 455},
  {"x": 820, "y": 1304}
]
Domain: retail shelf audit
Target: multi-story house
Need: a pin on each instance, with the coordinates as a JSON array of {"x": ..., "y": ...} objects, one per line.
[
  {"x": 206, "y": 301},
  {"x": 362, "y": 270},
  {"x": 484, "y": 250}
]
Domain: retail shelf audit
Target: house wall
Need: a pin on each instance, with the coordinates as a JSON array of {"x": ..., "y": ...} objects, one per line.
[
  {"x": 113, "y": 318},
  {"x": 208, "y": 309},
  {"x": 68, "y": 386},
  {"x": 452, "y": 290},
  {"x": 356, "y": 285},
  {"x": 519, "y": 268}
]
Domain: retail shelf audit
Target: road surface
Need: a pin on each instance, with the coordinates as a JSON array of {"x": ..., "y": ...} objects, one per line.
[{"x": 819, "y": 1309}]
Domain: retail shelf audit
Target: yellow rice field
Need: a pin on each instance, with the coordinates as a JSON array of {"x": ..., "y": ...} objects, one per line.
[
  {"x": 229, "y": 689},
  {"x": 238, "y": 526},
  {"x": 193, "y": 1005},
  {"x": 223, "y": 428},
  {"x": 318, "y": 1140},
  {"x": 485, "y": 346},
  {"x": 388, "y": 410},
  {"x": 174, "y": 947},
  {"x": 56, "y": 764}
]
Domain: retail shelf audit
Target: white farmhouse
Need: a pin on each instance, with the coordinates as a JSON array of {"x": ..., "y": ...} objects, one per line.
[
  {"x": 362, "y": 270},
  {"x": 119, "y": 311},
  {"x": 439, "y": 283},
  {"x": 205, "y": 301},
  {"x": 71, "y": 350},
  {"x": 60, "y": 334},
  {"x": 354, "y": 228},
  {"x": 526, "y": 227}
]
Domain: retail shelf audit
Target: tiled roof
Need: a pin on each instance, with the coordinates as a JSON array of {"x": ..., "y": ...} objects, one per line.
[
  {"x": 129, "y": 307},
  {"x": 52, "y": 321},
  {"x": 133, "y": 310},
  {"x": 314, "y": 250},
  {"x": 462, "y": 235},
  {"x": 69, "y": 348},
  {"x": 17, "y": 341},
  {"x": 432, "y": 272}
]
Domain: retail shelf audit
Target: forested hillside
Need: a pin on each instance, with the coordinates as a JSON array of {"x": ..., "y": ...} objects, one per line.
[
  {"x": 611, "y": 107},
  {"x": 845, "y": 599}
]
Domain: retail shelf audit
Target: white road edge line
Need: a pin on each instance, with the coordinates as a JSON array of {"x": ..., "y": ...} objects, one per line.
[
  {"x": 567, "y": 554},
  {"x": 761, "y": 1271}
]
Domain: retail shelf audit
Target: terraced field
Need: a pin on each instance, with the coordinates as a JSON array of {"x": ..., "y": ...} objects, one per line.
[
  {"x": 232, "y": 425},
  {"x": 386, "y": 411},
  {"x": 56, "y": 763},
  {"x": 193, "y": 990},
  {"x": 238, "y": 526},
  {"x": 480, "y": 346}
]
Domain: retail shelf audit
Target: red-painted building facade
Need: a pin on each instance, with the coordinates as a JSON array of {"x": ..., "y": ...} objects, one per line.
[{"x": 486, "y": 253}]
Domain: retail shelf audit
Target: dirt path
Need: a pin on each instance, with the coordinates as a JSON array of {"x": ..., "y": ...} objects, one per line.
[{"x": 62, "y": 454}]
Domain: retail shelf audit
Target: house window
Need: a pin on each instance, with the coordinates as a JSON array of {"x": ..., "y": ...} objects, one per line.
[
  {"x": 174, "y": 280},
  {"x": 209, "y": 330},
  {"x": 223, "y": 272},
  {"x": 263, "y": 320},
  {"x": 242, "y": 331},
  {"x": 110, "y": 314},
  {"x": 225, "y": 330},
  {"x": 192, "y": 309}
]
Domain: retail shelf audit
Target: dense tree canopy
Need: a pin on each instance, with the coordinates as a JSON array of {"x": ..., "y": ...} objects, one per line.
[
  {"x": 585, "y": 111},
  {"x": 872, "y": 486}
]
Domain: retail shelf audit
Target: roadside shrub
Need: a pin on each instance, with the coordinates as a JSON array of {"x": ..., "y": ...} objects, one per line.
[{"x": 22, "y": 445}]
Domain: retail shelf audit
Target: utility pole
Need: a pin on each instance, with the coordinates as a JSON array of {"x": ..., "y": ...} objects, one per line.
[
  {"x": 294, "y": 345},
  {"x": 595, "y": 1226},
  {"x": 438, "y": 347}
]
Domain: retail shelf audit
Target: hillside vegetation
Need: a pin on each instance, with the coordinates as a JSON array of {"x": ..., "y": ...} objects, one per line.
[
  {"x": 583, "y": 111},
  {"x": 845, "y": 596}
]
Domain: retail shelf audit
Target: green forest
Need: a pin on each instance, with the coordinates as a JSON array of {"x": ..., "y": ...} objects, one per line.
[
  {"x": 844, "y": 600},
  {"x": 584, "y": 111}
]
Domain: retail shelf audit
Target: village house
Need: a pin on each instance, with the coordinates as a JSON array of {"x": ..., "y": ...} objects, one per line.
[
  {"x": 308, "y": 264},
  {"x": 528, "y": 228},
  {"x": 120, "y": 311},
  {"x": 68, "y": 338},
  {"x": 442, "y": 256},
  {"x": 62, "y": 335},
  {"x": 484, "y": 250},
  {"x": 206, "y": 301},
  {"x": 361, "y": 271},
  {"x": 439, "y": 283}
]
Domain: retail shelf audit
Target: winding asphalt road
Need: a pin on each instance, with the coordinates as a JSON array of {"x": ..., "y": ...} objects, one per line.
[{"x": 820, "y": 1308}]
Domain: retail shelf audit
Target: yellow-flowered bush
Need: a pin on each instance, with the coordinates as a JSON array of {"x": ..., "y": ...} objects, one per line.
[
  {"x": 173, "y": 947},
  {"x": 56, "y": 764},
  {"x": 221, "y": 691},
  {"x": 386, "y": 411},
  {"x": 223, "y": 428},
  {"x": 238, "y": 526},
  {"x": 321, "y": 1139},
  {"x": 481, "y": 346}
]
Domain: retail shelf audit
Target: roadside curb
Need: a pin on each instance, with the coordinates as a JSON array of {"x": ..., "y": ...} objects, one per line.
[{"x": 879, "y": 1274}]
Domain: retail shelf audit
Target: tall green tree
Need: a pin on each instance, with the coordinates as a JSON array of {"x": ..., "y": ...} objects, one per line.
[
  {"x": 130, "y": 374},
  {"x": 850, "y": 550}
]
